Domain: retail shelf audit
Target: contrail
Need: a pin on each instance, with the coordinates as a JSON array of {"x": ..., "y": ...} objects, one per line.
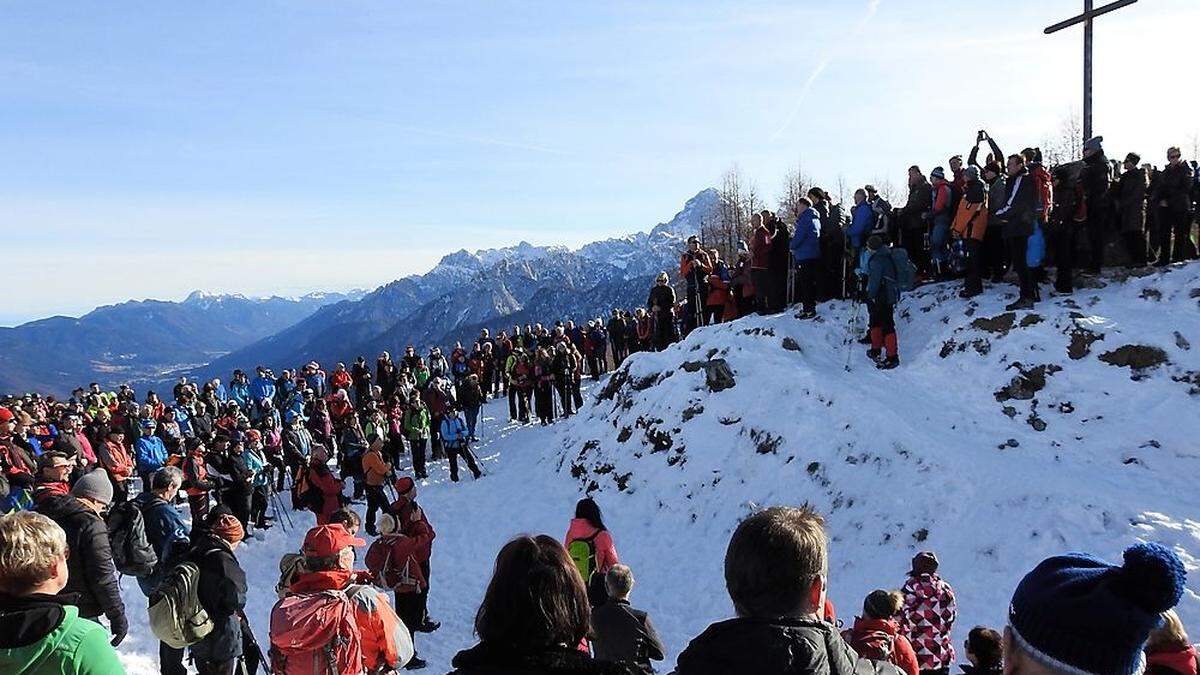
[{"x": 822, "y": 64}]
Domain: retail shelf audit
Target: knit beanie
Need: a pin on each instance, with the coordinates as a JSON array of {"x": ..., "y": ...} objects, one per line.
[
  {"x": 1078, "y": 614},
  {"x": 939, "y": 172},
  {"x": 388, "y": 524},
  {"x": 95, "y": 486},
  {"x": 1093, "y": 143},
  {"x": 925, "y": 562},
  {"x": 229, "y": 528},
  {"x": 1133, "y": 158}
]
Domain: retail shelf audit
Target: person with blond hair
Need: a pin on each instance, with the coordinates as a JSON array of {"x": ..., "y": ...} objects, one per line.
[
  {"x": 1168, "y": 651},
  {"x": 39, "y": 631}
]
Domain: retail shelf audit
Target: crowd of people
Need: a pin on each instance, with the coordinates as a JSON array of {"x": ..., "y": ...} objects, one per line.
[
  {"x": 1009, "y": 216},
  {"x": 93, "y": 485},
  {"x": 558, "y": 607}
]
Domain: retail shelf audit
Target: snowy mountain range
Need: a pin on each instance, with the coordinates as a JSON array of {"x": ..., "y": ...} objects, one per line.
[
  {"x": 491, "y": 288},
  {"x": 141, "y": 339}
]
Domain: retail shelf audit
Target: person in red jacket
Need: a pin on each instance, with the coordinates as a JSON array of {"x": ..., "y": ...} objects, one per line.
[
  {"x": 876, "y": 634},
  {"x": 195, "y": 479},
  {"x": 322, "y": 479},
  {"x": 114, "y": 457},
  {"x": 400, "y": 570},
  {"x": 760, "y": 263},
  {"x": 587, "y": 527},
  {"x": 1169, "y": 651},
  {"x": 719, "y": 298},
  {"x": 413, "y": 522}
]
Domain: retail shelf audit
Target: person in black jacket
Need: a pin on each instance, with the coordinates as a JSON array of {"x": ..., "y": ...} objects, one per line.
[
  {"x": 1131, "y": 209},
  {"x": 623, "y": 633},
  {"x": 779, "y": 261},
  {"x": 776, "y": 570},
  {"x": 221, "y": 590},
  {"x": 1018, "y": 214},
  {"x": 534, "y": 616},
  {"x": 1171, "y": 199},
  {"x": 913, "y": 219},
  {"x": 92, "y": 573},
  {"x": 1095, "y": 177},
  {"x": 662, "y": 305}
]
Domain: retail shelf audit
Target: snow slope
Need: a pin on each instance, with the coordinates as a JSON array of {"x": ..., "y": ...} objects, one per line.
[{"x": 1080, "y": 454}]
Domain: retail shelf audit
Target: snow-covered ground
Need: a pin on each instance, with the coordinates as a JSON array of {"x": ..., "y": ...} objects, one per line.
[{"x": 1081, "y": 454}]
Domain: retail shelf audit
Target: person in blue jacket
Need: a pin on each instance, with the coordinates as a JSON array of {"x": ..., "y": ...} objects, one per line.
[
  {"x": 263, "y": 386},
  {"x": 806, "y": 255},
  {"x": 149, "y": 452},
  {"x": 455, "y": 439},
  {"x": 862, "y": 221},
  {"x": 882, "y": 295},
  {"x": 168, "y": 534},
  {"x": 239, "y": 390}
]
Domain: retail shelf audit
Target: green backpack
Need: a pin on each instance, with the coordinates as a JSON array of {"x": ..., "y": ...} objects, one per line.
[
  {"x": 176, "y": 617},
  {"x": 583, "y": 553}
]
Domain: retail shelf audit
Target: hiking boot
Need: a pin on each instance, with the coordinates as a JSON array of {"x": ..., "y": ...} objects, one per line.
[
  {"x": 873, "y": 354},
  {"x": 1023, "y": 303},
  {"x": 888, "y": 363},
  {"x": 865, "y": 339},
  {"x": 416, "y": 663},
  {"x": 966, "y": 295}
]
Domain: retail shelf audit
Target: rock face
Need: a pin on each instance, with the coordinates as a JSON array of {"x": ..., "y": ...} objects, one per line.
[{"x": 1136, "y": 357}]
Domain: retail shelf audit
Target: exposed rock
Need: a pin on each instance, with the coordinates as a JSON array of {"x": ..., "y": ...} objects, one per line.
[
  {"x": 1182, "y": 342},
  {"x": 1036, "y": 422},
  {"x": 691, "y": 412},
  {"x": 1010, "y": 411},
  {"x": 717, "y": 374},
  {"x": 790, "y": 345},
  {"x": 947, "y": 348},
  {"x": 1136, "y": 357},
  {"x": 999, "y": 325},
  {"x": 625, "y": 434},
  {"x": 766, "y": 443},
  {"x": 729, "y": 421},
  {"x": 1081, "y": 342},
  {"x": 1031, "y": 320},
  {"x": 1151, "y": 294},
  {"x": 1030, "y": 381}
]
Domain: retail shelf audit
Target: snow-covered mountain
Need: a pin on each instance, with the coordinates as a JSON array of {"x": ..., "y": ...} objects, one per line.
[
  {"x": 468, "y": 290},
  {"x": 141, "y": 338},
  {"x": 1001, "y": 439}
]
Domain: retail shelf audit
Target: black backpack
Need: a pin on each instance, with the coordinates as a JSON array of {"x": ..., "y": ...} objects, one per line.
[{"x": 131, "y": 550}]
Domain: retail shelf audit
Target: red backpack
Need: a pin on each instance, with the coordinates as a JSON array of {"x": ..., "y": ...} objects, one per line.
[
  {"x": 874, "y": 645},
  {"x": 315, "y": 634},
  {"x": 392, "y": 564}
]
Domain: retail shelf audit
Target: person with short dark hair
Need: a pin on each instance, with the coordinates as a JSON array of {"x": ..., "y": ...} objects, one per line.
[
  {"x": 985, "y": 651},
  {"x": 1131, "y": 208},
  {"x": 1075, "y": 613},
  {"x": 1172, "y": 201},
  {"x": 776, "y": 572},
  {"x": 534, "y": 616},
  {"x": 1018, "y": 215},
  {"x": 623, "y": 633}
]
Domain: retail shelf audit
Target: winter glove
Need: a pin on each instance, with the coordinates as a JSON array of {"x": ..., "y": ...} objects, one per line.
[{"x": 119, "y": 626}]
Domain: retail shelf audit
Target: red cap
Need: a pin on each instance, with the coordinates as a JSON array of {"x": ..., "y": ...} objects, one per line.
[
  {"x": 325, "y": 541},
  {"x": 5, "y": 415},
  {"x": 404, "y": 485},
  {"x": 253, "y": 435}
]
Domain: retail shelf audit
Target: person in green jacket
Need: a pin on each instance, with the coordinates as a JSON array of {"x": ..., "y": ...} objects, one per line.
[
  {"x": 39, "y": 634},
  {"x": 416, "y": 428}
]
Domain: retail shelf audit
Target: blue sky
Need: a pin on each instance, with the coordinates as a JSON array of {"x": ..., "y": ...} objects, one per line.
[{"x": 153, "y": 148}]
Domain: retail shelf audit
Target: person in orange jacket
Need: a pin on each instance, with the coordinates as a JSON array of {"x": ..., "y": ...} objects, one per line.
[
  {"x": 694, "y": 267},
  {"x": 376, "y": 470},
  {"x": 115, "y": 459},
  {"x": 970, "y": 225},
  {"x": 383, "y": 639},
  {"x": 195, "y": 479}
]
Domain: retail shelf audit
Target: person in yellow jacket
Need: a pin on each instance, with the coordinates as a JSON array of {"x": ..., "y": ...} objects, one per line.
[
  {"x": 376, "y": 471},
  {"x": 970, "y": 224}
]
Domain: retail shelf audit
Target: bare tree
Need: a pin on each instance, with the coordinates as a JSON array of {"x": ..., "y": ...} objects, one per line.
[
  {"x": 886, "y": 189},
  {"x": 1067, "y": 144},
  {"x": 842, "y": 187},
  {"x": 1195, "y": 146},
  {"x": 795, "y": 185},
  {"x": 739, "y": 198}
]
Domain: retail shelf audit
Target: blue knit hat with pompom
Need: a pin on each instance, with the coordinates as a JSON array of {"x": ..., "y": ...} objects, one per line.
[{"x": 1079, "y": 614}]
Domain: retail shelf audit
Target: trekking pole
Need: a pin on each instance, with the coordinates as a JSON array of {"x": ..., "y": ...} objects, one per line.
[
  {"x": 852, "y": 332},
  {"x": 281, "y": 515},
  {"x": 791, "y": 281}
]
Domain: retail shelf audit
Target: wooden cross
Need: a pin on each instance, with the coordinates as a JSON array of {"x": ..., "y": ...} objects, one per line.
[{"x": 1086, "y": 19}]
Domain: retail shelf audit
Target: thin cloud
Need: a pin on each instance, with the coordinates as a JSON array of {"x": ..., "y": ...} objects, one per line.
[{"x": 822, "y": 64}]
